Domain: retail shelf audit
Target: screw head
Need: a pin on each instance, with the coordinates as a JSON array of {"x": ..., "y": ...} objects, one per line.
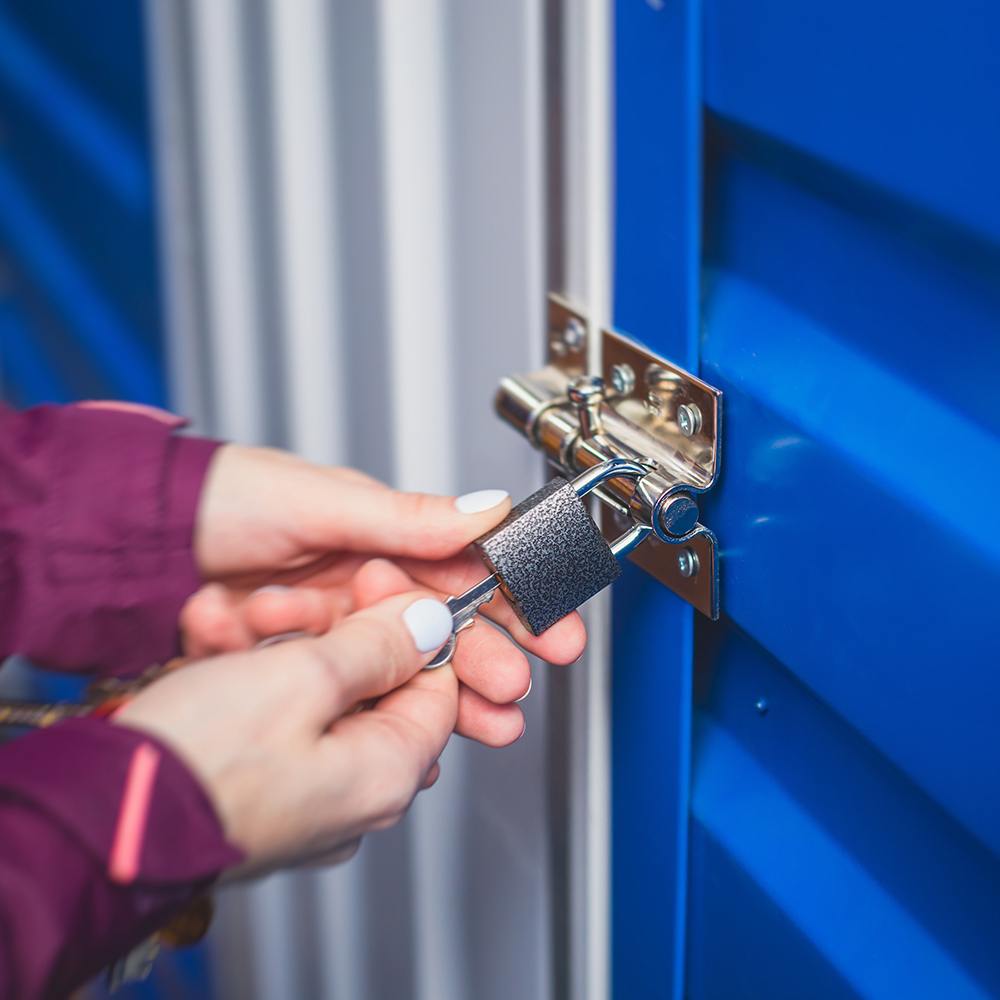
[
  {"x": 688, "y": 419},
  {"x": 762, "y": 706},
  {"x": 574, "y": 334},
  {"x": 623, "y": 379},
  {"x": 687, "y": 562}
]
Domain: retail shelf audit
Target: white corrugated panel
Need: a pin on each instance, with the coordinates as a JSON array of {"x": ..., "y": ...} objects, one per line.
[{"x": 354, "y": 249}]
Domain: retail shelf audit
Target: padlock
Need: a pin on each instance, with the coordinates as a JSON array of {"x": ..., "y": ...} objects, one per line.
[{"x": 548, "y": 554}]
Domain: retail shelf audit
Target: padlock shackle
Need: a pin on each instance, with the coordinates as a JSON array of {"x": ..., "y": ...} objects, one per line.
[
  {"x": 613, "y": 468},
  {"x": 630, "y": 540}
]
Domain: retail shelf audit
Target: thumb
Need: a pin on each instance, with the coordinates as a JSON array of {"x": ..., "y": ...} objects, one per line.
[{"x": 379, "y": 648}]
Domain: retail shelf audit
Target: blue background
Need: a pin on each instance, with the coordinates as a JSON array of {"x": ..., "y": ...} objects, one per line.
[
  {"x": 79, "y": 286},
  {"x": 79, "y": 296}
]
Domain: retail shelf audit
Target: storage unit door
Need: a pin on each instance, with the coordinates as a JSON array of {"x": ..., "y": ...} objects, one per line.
[{"x": 808, "y": 208}]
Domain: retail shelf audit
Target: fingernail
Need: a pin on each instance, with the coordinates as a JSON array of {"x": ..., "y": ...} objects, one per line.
[
  {"x": 476, "y": 503},
  {"x": 272, "y": 588},
  {"x": 273, "y": 640},
  {"x": 429, "y": 623},
  {"x": 531, "y": 680}
]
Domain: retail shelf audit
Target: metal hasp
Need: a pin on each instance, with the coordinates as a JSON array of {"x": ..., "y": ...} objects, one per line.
[{"x": 643, "y": 409}]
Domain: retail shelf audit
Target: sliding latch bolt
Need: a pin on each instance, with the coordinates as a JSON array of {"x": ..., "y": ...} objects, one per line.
[{"x": 679, "y": 514}]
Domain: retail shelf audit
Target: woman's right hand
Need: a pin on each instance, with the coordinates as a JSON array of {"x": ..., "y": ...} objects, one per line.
[
  {"x": 493, "y": 672},
  {"x": 307, "y": 745}
]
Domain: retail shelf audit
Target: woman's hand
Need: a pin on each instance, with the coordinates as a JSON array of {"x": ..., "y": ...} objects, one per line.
[
  {"x": 264, "y": 511},
  {"x": 307, "y": 534},
  {"x": 297, "y": 764}
]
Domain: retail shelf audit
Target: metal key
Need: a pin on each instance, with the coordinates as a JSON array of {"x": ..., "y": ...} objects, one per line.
[{"x": 463, "y": 612}]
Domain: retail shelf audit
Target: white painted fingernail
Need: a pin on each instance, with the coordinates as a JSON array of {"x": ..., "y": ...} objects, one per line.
[
  {"x": 531, "y": 680},
  {"x": 272, "y": 588},
  {"x": 429, "y": 622},
  {"x": 476, "y": 503}
]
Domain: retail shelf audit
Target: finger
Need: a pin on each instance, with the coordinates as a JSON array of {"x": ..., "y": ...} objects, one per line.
[
  {"x": 484, "y": 722},
  {"x": 378, "y": 579},
  {"x": 432, "y": 776},
  {"x": 379, "y": 648},
  {"x": 210, "y": 623},
  {"x": 323, "y": 857},
  {"x": 364, "y": 518},
  {"x": 395, "y": 747},
  {"x": 335, "y": 857},
  {"x": 487, "y": 661},
  {"x": 484, "y": 658},
  {"x": 563, "y": 643},
  {"x": 275, "y": 609}
]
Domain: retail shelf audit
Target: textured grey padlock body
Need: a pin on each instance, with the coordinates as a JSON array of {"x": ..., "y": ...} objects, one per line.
[{"x": 549, "y": 555}]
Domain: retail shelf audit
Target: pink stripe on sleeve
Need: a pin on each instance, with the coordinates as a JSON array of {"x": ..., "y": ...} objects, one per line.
[{"x": 126, "y": 848}]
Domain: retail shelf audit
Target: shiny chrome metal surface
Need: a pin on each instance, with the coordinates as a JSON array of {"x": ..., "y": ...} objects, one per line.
[
  {"x": 586, "y": 393},
  {"x": 678, "y": 514},
  {"x": 567, "y": 336},
  {"x": 612, "y": 468},
  {"x": 660, "y": 560},
  {"x": 687, "y": 562},
  {"x": 622, "y": 379},
  {"x": 644, "y": 410}
]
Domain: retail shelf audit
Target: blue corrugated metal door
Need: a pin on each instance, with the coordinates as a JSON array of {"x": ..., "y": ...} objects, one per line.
[{"x": 808, "y": 208}]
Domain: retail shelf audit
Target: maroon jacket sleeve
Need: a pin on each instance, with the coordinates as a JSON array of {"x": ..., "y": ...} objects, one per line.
[
  {"x": 104, "y": 833},
  {"x": 104, "y": 836},
  {"x": 97, "y": 508}
]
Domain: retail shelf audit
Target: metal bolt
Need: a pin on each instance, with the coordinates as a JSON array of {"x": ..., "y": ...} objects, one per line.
[
  {"x": 678, "y": 514},
  {"x": 687, "y": 562},
  {"x": 623, "y": 379},
  {"x": 574, "y": 334},
  {"x": 688, "y": 419},
  {"x": 762, "y": 706}
]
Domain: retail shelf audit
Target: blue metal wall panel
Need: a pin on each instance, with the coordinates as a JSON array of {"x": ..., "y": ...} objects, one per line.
[
  {"x": 658, "y": 182},
  {"x": 897, "y": 92},
  {"x": 651, "y": 736},
  {"x": 800, "y": 826},
  {"x": 845, "y": 840}
]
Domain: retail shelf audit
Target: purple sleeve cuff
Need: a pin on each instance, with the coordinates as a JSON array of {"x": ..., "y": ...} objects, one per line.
[
  {"x": 76, "y": 773},
  {"x": 96, "y": 520},
  {"x": 64, "y": 914}
]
